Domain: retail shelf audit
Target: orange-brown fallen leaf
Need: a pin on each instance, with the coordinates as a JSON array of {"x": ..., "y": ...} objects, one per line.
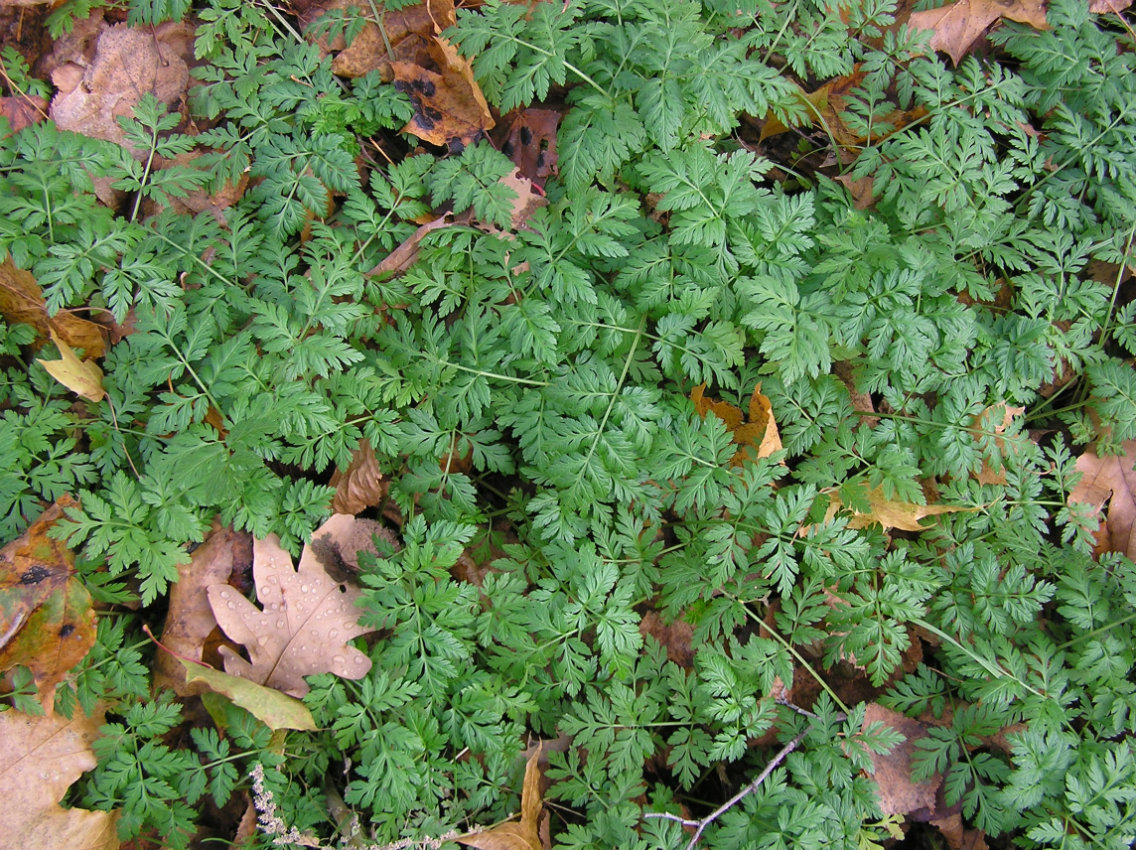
[
  {"x": 759, "y": 433},
  {"x": 46, "y": 620},
  {"x": 1110, "y": 480},
  {"x": 22, "y": 301},
  {"x": 996, "y": 419},
  {"x": 957, "y": 26},
  {"x": 524, "y": 835},
  {"x": 827, "y": 104},
  {"x": 40, "y": 757},
  {"x": 303, "y": 627}
]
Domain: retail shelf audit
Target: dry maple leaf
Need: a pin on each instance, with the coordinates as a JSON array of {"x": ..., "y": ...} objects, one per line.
[
  {"x": 303, "y": 629},
  {"x": 40, "y": 757},
  {"x": 1111, "y": 480},
  {"x": 516, "y": 836},
  {"x": 46, "y": 618},
  {"x": 957, "y": 26}
]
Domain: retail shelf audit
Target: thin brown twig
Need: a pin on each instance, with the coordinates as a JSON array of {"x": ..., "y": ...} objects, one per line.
[{"x": 700, "y": 825}]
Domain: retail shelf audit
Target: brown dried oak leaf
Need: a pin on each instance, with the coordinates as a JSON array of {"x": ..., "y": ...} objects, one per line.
[
  {"x": 303, "y": 629},
  {"x": 40, "y": 757}
]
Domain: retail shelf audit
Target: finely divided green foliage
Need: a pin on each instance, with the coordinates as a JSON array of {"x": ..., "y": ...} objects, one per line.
[{"x": 527, "y": 394}]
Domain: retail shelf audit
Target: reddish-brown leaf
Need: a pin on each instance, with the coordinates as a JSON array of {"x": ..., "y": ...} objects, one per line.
[
  {"x": 1110, "y": 480},
  {"x": 897, "y": 793}
]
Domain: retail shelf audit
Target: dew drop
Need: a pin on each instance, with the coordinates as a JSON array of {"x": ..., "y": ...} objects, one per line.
[
  {"x": 360, "y": 659},
  {"x": 262, "y": 640},
  {"x": 224, "y": 594},
  {"x": 281, "y": 623},
  {"x": 337, "y": 659},
  {"x": 304, "y": 588},
  {"x": 231, "y": 605},
  {"x": 333, "y": 633}
]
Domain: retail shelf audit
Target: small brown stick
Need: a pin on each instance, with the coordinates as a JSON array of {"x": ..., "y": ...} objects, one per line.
[{"x": 700, "y": 825}]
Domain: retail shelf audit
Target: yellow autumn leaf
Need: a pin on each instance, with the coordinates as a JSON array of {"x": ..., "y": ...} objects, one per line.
[
  {"x": 80, "y": 376},
  {"x": 888, "y": 512}
]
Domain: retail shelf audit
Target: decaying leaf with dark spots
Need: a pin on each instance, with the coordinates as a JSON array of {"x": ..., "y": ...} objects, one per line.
[
  {"x": 449, "y": 108},
  {"x": 531, "y": 143},
  {"x": 46, "y": 620}
]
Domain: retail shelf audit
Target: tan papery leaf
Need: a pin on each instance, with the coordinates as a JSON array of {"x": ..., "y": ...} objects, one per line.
[
  {"x": 40, "y": 758},
  {"x": 889, "y": 513}
]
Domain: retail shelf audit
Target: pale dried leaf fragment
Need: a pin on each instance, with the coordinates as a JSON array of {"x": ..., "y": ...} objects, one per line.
[
  {"x": 80, "y": 376},
  {"x": 40, "y": 758},
  {"x": 303, "y": 629},
  {"x": 511, "y": 835},
  {"x": 1103, "y": 7},
  {"x": 1110, "y": 480}
]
